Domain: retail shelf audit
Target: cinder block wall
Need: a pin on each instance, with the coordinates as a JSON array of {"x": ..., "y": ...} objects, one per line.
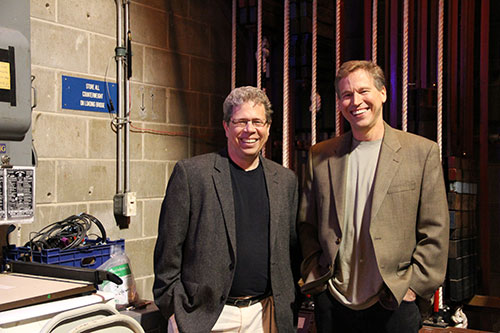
[{"x": 181, "y": 73}]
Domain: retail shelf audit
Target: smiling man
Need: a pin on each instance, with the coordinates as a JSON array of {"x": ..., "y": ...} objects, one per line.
[
  {"x": 227, "y": 226},
  {"x": 373, "y": 218}
]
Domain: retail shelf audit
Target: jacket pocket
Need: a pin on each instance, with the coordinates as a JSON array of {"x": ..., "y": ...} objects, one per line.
[
  {"x": 408, "y": 186},
  {"x": 191, "y": 288},
  {"x": 191, "y": 300},
  {"x": 403, "y": 267}
]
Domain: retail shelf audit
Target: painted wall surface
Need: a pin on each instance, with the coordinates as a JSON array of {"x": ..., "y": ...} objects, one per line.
[{"x": 181, "y": 74}]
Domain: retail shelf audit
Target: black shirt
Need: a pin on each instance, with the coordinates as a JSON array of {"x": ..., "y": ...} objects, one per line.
[{"x": 251, "y": 206}]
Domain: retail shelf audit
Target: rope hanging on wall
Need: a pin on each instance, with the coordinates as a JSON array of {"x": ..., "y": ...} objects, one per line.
[
  {"x": 374, "y": 31},
  {"x": 233, "y": 47},
  {"x": 259, "y": 54},
  {"x": 259, "y": 45},
  {"x": 439, "y": 294},
  {"x": 286, "y": 116},
  {"x": 440, "y": 78},
  {"x": 313, "y": 78},
  {"x": 404, "y": 83},
  {"x": 337, "y": 64}
]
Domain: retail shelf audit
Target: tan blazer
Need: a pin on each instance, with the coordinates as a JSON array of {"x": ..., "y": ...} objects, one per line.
[{"x": 409, "y": 218}]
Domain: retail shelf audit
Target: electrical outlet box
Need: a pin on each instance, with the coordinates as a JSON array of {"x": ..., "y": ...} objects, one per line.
[{"x": 125, "y": 204}]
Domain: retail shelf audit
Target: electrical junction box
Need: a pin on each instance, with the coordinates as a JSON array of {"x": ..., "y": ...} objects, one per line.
[
  {"x": 125, "y": 204},
  {"x": 15, "y": 82},
  {"x": 17, "y": 195},
  {"x": 17, "y": 175}
]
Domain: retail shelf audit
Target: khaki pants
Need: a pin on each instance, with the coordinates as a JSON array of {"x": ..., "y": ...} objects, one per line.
[{"x": 258, "y": 318}]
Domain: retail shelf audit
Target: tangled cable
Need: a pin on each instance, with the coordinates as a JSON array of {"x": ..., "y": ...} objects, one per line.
[{"x": 66, "y": 234}]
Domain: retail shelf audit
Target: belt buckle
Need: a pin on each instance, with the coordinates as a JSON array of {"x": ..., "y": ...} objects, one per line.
[{"x": 242, "y": 302}]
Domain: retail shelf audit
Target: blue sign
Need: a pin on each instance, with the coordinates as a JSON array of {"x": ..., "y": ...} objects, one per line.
[
  {"x": 88, "y": 95},
  {"x": 3, "y": 148}
]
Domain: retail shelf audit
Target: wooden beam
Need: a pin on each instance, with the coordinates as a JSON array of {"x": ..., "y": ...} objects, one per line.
[
  {"x": 368, "y": 28},
  {"x": 452, "y": 56},
  {"x": 393, "y": 67},
  {"x": 483, "y": 147}
]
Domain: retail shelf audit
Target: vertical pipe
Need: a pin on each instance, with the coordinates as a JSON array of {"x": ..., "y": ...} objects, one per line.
[
  {"x": 286, "y": 116},
  {"x": 337, "y": 63},
  {"x": 233, "y": 47},
  {"x": 313, "y": 76},
  {"x": 404, "y": 85},
  {"x": 126, "y": 155},
  {"x": 374, "y": 30},
  {"x": 119, "y": 87}
]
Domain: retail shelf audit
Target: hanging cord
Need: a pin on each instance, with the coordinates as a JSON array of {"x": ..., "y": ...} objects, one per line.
[
  {"x": 286, "y": 116},
  {"x": 259, "y": 54},
  {"x": 337, "y": 64},
  {"x": 233, "y": 47},
  {"x": 405, "y": 68},
  {"x": 440, "y": 106},
  {"x": 313, "y": 78},
  {"x": 440, "y": 79},
  {"x": 259, "y": 45},
  {"x": 66, "y": 234},
  {"x": 374, "y": 31}
]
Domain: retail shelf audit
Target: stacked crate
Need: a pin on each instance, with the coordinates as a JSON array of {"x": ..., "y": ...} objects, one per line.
[{"x": 462, "y": 256}]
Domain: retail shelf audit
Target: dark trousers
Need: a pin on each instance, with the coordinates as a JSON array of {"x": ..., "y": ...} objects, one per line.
[{"x": 331, "y": 316}]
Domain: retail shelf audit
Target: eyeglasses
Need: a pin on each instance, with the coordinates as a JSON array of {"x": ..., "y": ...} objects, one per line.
[{"x": 243, "y": 122}]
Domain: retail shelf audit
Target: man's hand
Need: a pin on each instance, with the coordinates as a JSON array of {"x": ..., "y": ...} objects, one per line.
[{"x": 410, "y": 296}]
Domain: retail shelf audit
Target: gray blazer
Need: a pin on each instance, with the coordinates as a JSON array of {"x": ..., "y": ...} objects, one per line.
[
  {"x": 195, "y": 253},
  {"x": 409, "y": 218}
]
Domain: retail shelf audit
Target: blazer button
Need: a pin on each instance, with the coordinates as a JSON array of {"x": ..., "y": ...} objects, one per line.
[
  {"x": 222, "y": 298},
  {"x": 337, "y": 241}
]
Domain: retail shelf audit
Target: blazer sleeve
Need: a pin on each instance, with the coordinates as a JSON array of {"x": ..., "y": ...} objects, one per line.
[
  {"x": 314, "y": 275},
  {"x": 431, "y": 252},
  {"x": 172, "y": 230}
]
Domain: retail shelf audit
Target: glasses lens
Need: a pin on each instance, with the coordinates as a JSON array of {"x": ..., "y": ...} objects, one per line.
[{"x": 244, "y": 122}]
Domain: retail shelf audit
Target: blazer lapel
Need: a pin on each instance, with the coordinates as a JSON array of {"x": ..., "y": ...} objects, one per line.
[
  {"x": 388, "y": 164},
  {"x": 337, "y": 165},
  {"x": 274, "y": 193},
  {"x": 222, "y": 182}
]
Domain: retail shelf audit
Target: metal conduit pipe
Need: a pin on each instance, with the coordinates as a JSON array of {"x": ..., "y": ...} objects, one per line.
[
  {"x": 124, "y": 201},
  {"x": 119, "y": 57},
  {"x": 126, "y": 168}
]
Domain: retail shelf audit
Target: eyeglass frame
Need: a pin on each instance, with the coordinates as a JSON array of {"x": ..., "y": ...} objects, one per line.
[{"x": 242, "y": 123}]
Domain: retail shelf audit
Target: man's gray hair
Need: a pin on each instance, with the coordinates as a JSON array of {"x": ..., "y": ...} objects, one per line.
[{"x": 241, "y": 95}]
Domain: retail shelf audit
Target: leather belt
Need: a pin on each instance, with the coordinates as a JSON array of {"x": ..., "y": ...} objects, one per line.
[{"x": 242, "y": 302}]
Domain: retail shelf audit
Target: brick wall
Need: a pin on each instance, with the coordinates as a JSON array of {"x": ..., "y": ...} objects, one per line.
[{"x": 181, "y": 65}]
